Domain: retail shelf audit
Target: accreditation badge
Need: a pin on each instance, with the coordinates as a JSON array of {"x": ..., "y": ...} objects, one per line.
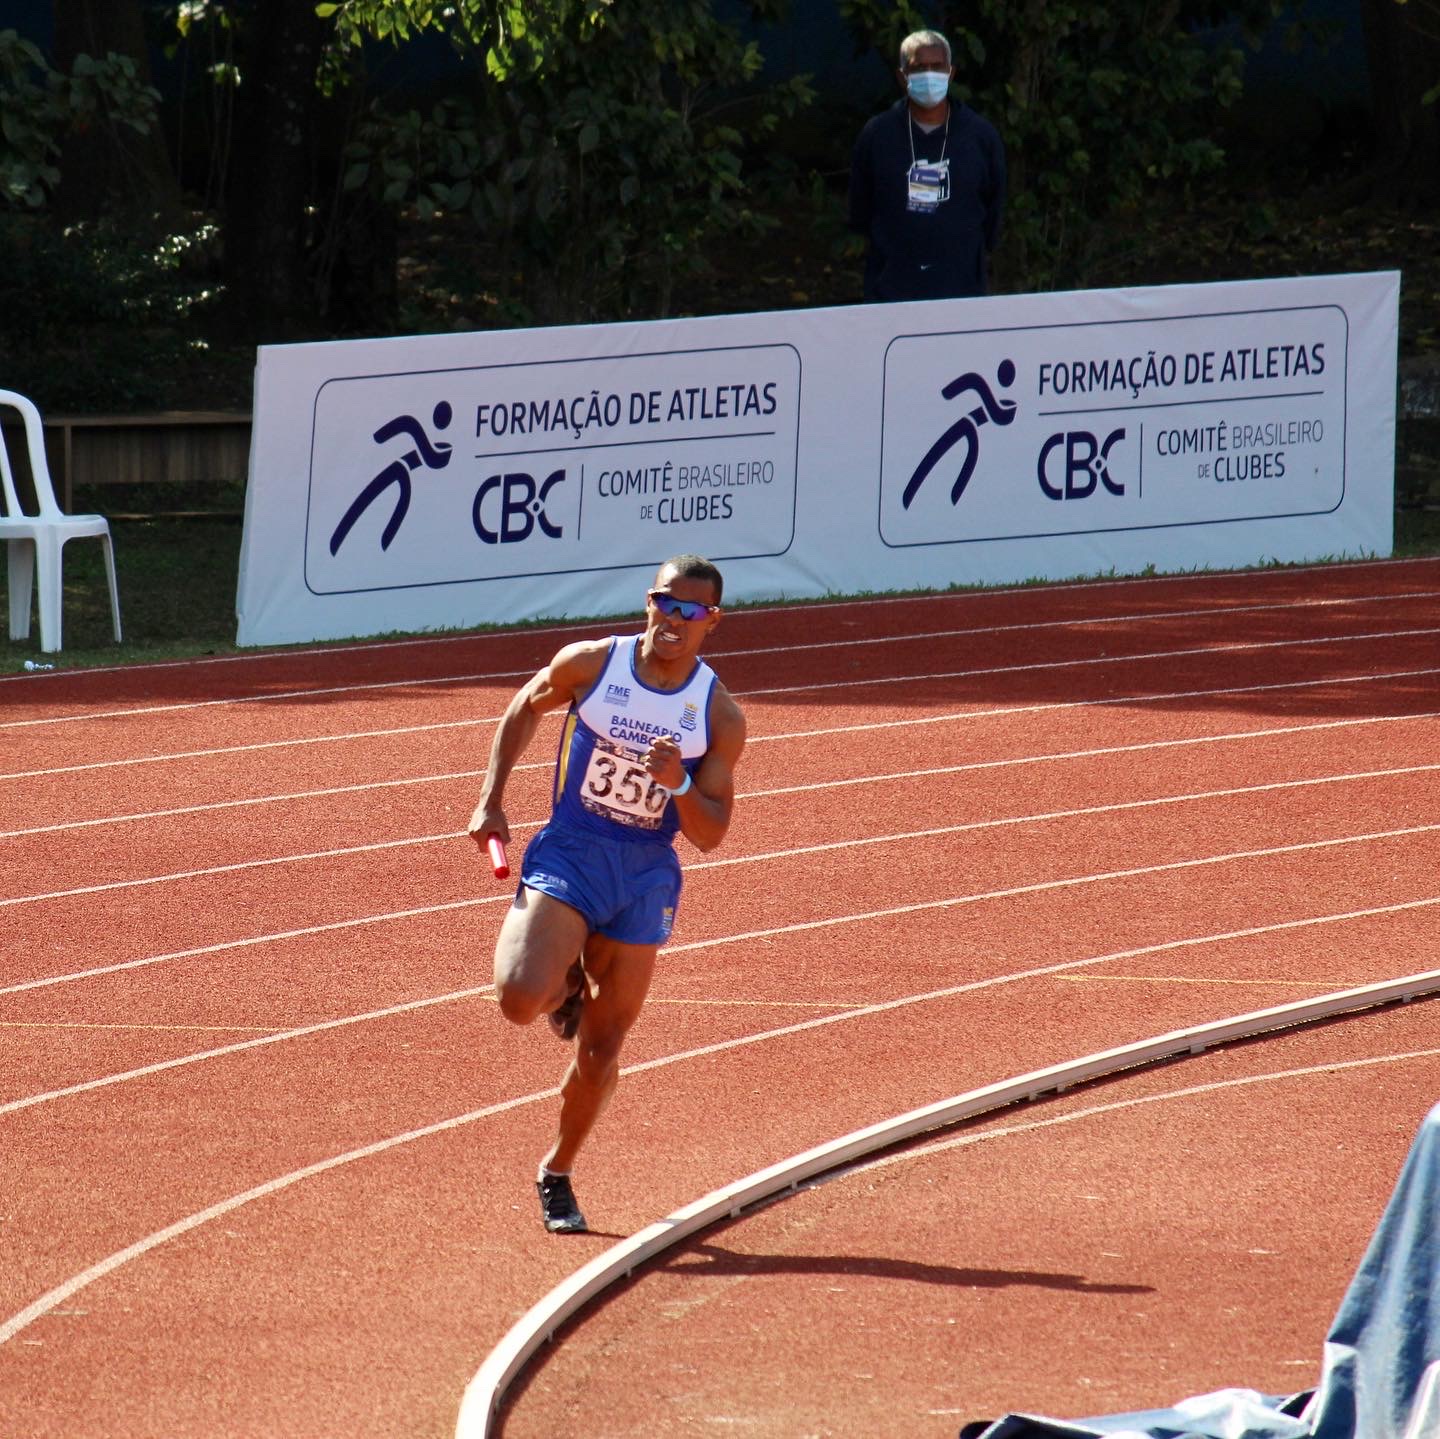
[{"x": 927, "y": 185}]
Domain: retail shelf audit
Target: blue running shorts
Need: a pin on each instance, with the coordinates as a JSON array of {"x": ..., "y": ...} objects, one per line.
[{"x": 626, "y": 891}]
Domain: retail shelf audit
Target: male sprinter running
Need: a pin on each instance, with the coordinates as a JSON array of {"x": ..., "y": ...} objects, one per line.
[{"x": 649, "y": 747}]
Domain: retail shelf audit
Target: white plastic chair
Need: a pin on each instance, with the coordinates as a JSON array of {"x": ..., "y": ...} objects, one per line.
[{"x": 35, "y": 543}]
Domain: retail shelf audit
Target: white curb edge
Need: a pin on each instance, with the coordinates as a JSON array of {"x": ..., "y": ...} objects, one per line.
[{"x": 483, "y": 1394}]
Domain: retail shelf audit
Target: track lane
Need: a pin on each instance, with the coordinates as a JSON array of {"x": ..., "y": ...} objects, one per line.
[
  {"x": 257, "y": 1109},
  {"x": 249, "y": 1266},
  {"x": 912, "y": 1296},
  {"x": 1400, "y": 680},
  {"x": 1360, "y": 693},
  {"x": 775, "y": 967},
  {"x": 942, "y": 940},
  {"x": 1291, "y": 811},
  {"x": 1034, "y": 861},
  {"x": 1047, "y": 641},
  {"x": 315, "y": 819}
]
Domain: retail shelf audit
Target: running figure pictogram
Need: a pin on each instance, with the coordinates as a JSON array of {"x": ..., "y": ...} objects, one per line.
[
  {"x": 1001, "y": 412},
  {"x": 435, "y": 456}
]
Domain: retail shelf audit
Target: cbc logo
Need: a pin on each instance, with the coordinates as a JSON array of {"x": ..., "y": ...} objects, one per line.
[
  {"x": 507, "y": 508},
  {"x": 1086, "y": 464}
]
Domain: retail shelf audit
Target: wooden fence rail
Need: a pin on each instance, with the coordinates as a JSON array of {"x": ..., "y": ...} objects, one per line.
[{"x": 171, "y": 446}]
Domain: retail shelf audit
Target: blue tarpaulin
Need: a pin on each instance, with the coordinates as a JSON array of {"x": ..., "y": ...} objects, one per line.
[{"x": 1380, "y": 1374}]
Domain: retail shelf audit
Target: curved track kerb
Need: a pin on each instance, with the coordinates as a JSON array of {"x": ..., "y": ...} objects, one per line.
[{"x": 484, "y": 1394}]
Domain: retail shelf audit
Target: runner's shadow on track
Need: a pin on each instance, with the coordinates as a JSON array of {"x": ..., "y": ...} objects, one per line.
[{"x": 713, "y": 1260}]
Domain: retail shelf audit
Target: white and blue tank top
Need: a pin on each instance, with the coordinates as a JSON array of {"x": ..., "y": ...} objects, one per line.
[{"x": 601, "y": 783}]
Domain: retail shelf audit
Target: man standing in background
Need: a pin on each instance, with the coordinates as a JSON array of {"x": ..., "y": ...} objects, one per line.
[{"x": 927, "y": 185}]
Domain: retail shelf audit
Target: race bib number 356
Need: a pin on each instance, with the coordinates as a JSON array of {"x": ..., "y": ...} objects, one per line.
[{"x": 618, "y": 786}]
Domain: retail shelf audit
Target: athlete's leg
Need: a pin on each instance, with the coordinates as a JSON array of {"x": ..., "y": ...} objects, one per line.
[
  {"x": 538, "y": 942},
  {"x": 618, "y": 978}
]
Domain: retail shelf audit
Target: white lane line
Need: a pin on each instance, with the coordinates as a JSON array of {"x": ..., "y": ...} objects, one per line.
[
  {"x": 966, "y": 828},
  {"x": 953, "y": 716},
  {"x": 1081, "y": 622},
  {"x": 1036, "y": 667},
  {"x": 962, "y": 1141},
  {"x": 955, "y": 901},
  {"x": 1077, "y": 622},
  {"x": 1095, "y": 753},
  {"x": 249, "y": 748},
  {"x": 1135, "y": 700},
  {"x": 850, "y": 643},
  {"x": 149, "y": 1028},
  {"x": 1107, "y": 750},
  {"x": 214, "y": 869},
  {"x": 58, "y": 1295},
  {"x": 296, "y": 795},
  {"x": 1192, "y": 979},
  {"x": 687, "y": 1002},
  {"x": 272, "y": 695},
  {"x": 1061, "y": 967},
  {"x": 240, "y": 1046},
  {"x": 250, "y": 941},
  {"x": 574, "y": 627},
  {"x": 304, "y": 652}
]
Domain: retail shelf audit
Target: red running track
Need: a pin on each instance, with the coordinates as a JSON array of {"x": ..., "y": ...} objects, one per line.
[{"x": 269, "y": 1146}]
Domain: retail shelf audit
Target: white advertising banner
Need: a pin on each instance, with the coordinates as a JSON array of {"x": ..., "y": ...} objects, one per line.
[{"x": 448, "y": 481}]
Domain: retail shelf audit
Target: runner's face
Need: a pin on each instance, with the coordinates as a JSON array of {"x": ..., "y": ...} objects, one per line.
[{"x": 669, "y": 637}]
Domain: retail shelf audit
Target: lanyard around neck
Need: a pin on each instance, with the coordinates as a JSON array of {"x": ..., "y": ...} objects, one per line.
[{"x": 944, "y": 141}]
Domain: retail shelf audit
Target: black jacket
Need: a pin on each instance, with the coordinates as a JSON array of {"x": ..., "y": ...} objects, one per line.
[{"x": 923, "y": 256}]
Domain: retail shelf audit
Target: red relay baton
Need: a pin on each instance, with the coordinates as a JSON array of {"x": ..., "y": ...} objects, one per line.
[{"x": 498, "y": 862}]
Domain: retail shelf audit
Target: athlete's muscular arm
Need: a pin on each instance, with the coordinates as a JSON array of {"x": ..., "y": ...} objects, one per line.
[
  {"x": 568, "y": 676},
  {"x": 705, "y": 808}
]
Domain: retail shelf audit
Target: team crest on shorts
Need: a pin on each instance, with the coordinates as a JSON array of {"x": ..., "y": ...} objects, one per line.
[{"x": 667, "y": 920}]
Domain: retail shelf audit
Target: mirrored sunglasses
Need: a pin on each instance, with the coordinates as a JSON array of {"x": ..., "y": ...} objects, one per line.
[{"x": 667, "y": 604}]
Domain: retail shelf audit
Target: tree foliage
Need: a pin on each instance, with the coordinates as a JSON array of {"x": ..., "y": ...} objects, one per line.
[
  {"x": 586, "y": 157},
  {"x": 599, "y": 149},
  {"x": 40, "y": 106}
]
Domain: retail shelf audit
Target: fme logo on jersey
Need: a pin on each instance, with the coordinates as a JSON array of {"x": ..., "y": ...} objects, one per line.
[
  {"x": 508, "y": 508},
  {"x": 617, "y": 695}
]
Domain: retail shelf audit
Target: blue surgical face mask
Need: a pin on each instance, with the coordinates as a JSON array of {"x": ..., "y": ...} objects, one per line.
[{"x": 927, "y": 88}]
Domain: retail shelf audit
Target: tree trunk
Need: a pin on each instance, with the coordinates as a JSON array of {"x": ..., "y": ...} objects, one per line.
[
  {"x": 1402, "y": 48},
  {"x": 105, "y": 168},
  {"x": 1027, "y": 87},
  {"x": 355, "y": 251},
  {"x": 269, "y": 290}
]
